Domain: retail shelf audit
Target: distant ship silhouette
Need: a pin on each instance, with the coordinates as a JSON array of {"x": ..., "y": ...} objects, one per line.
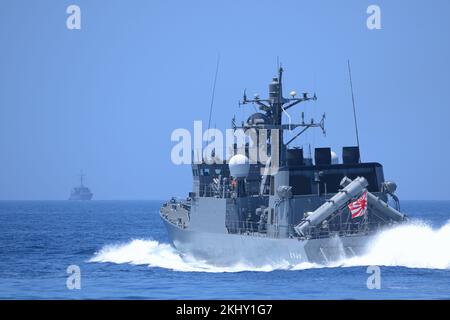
[{"x": 81, "y": 192}]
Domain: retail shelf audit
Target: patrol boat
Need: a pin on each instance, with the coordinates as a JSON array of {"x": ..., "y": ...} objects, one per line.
[
  {"x": 308, "y": 209},
  {"x": 81, "y": 192}
]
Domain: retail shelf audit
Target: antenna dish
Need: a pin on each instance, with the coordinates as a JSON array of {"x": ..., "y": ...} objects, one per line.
[{"x": 293, "y": 93}]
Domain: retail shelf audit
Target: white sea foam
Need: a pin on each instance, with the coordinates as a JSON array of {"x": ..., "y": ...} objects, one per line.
[
  {"x": 162, "y": 255},
  {"x": 415, "y": 245}
]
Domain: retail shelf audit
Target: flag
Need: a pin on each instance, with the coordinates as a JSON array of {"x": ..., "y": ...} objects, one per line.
[{"x": 359, "y": 207}]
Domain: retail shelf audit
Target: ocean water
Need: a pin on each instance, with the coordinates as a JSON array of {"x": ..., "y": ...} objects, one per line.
[{"x": 122, "y": 250}]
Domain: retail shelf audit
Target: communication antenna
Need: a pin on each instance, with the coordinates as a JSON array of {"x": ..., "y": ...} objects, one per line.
[
  {"x": 212, "y": 98},
  {"x": 353, "y": 102},
  {"x": 213, "y": 91}
]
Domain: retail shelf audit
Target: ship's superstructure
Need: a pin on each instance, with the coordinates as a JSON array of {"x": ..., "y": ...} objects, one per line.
[
  {"x": 81, "y": 192},
  {"x": 289, "y": 205}
]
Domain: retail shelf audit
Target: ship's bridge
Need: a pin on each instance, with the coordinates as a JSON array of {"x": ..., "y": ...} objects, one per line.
[{"x": 319, "y": 176}]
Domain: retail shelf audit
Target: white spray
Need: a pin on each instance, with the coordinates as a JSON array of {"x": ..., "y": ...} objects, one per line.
[{"x": 415, "y": 245}]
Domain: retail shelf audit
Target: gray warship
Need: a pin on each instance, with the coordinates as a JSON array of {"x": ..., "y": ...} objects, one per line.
[
  {"x": 81, "y": 192},
  {"x": 312, "y": 208}
]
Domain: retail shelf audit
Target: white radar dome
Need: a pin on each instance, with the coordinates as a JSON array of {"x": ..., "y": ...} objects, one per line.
[
  {"x": 334, "y": 158},
  {"x": 239, "y": 166}
]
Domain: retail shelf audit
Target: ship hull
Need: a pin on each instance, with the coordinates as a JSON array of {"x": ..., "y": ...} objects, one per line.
[
  {"x": 226, "y": 249},
  {"x": 81, "y": 197}
]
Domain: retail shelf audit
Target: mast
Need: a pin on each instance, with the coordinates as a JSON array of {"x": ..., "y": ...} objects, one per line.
[
  {"x": 276, "y": 97},
  {"x": 81, "y": 178},
  {"x": 275, "y": 106}
]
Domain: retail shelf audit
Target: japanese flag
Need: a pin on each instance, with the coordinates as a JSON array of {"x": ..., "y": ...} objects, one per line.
[{"x": 359, "y": 207}]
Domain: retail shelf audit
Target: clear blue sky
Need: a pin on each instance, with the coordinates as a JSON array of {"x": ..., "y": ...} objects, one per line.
[{"x": 106, "y": 98}]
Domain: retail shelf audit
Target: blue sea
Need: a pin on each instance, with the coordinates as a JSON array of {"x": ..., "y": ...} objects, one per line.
[{"x": 122, "y": 251}]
